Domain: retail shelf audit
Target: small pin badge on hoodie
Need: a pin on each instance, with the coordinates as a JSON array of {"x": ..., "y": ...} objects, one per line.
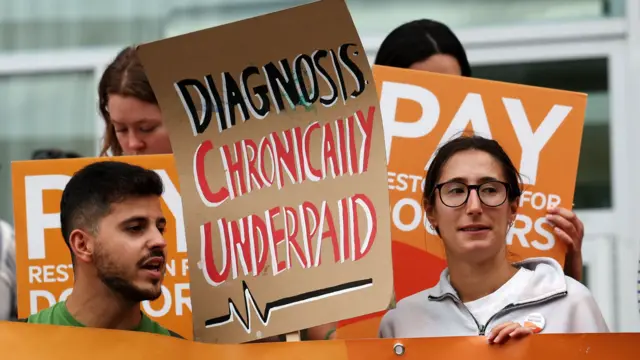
[{"x": 535, "y": 322}]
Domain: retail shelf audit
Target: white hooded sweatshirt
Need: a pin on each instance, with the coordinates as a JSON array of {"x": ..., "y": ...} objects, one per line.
[{"x": 539, "y": 293}]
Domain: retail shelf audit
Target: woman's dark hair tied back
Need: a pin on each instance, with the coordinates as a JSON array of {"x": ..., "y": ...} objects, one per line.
[
  {"x": 44, "y": 154},
  {"x": 471, "y": 142},
  {"x": 417, "y": 41}
]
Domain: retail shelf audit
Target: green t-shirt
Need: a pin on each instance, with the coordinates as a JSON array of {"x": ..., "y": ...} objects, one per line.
[{"x": 59, "y": 315}]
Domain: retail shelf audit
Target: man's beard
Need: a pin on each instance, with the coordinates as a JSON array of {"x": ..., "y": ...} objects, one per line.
[{"x": 114, "y": 277}]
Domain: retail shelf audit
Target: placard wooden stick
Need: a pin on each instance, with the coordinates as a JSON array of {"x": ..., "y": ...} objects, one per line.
[{"x": 294, "y": 336}]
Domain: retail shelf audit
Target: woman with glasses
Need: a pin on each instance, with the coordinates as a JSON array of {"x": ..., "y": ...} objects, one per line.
[
  {"x": 471, "y": 195},
  {"x": 428, "y": 45}
]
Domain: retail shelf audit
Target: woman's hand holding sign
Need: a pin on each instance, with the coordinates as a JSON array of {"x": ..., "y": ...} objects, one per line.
[
  {"x": 510, "y": 330},
  {"x": 570, "y": 230}
]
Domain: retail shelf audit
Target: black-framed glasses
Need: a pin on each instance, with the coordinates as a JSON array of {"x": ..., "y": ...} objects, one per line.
[{"x": 455, "y": 193}]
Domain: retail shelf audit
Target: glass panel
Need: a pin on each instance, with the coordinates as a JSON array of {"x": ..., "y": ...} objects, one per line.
[
  {"x": 379, "y": 17},
  {"x": 599, "y": 273},
  {"x": 32, "y": 24},
  {"x": 638, "y": 288},
  {"x": 593, "y": 186},
  {"x": 38, "y": 24},
  {"x": 42, "y": 112},
  {"x": 585, "y": 275}
]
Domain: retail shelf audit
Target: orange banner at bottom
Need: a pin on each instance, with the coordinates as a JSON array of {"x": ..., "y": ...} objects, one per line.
[{"x": 20, "y": 341}]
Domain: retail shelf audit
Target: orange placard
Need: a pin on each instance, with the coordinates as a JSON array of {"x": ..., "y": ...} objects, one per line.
[
  {"x": 53, "y": 343},
  {"x": 540, "y": 129},
  {"x": 44, "y": 271}
]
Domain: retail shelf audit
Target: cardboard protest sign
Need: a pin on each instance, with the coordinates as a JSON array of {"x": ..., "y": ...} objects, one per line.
[
  {"x": 540, "y": 129},
  {"x": 279, "y": 148},
  {"x": 43, "y": 261},
  {"x": 53, "y": 342}
]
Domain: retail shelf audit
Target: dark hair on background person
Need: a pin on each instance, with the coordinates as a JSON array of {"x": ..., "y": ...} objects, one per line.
[
  {"x": 417, "y": 41},
  {"x": 91, "y": 191},
  {"x": 45, "y": 154},
  {"x": 124, "y": 76},
  {"x": 471, "y": 142}
]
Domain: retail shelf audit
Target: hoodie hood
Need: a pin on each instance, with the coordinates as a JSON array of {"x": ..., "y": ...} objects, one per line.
[
  {"x": 565, "y": 305},
  {"x": 548, "y": 280}
]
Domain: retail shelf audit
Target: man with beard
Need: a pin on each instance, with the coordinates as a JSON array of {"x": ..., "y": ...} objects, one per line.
[{"x": 112, "y": 222}]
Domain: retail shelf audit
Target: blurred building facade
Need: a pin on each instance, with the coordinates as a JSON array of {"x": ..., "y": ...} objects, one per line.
[{"x": 53, "y": 52}]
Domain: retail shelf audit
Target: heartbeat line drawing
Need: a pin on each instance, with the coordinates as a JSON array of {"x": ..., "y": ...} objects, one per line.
[{"x": 283, "y": 303}]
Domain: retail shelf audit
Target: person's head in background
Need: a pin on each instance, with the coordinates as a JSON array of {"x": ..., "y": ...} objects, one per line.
[
  {"x": 45, "y": 154},
  {"x": 424, "y": 45},
  {"x": 133, "y": 122}
]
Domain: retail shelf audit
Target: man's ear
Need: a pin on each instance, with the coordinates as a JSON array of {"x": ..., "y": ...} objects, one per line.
[{"x": 82, "y": 245}]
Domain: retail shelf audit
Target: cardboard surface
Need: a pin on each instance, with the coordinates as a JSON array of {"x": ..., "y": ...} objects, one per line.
[{"x": 277, "y": 135}]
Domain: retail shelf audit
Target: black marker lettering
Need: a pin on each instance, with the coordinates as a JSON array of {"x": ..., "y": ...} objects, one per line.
[
  {"x": 352, "y": 68},
  {"x": 327, "y": 100},
  {"x": 219, "y": 106},
  {"x": 280, "y": 84},
  {"x": 261, "y": 92},
  {"x": 198, "y": 123},
  {"x": 281, "y": 80},
  {"x": 233, "y": 97},
  {"x": 338, "y": 71},
  {"x": 303, "y": 65}
]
